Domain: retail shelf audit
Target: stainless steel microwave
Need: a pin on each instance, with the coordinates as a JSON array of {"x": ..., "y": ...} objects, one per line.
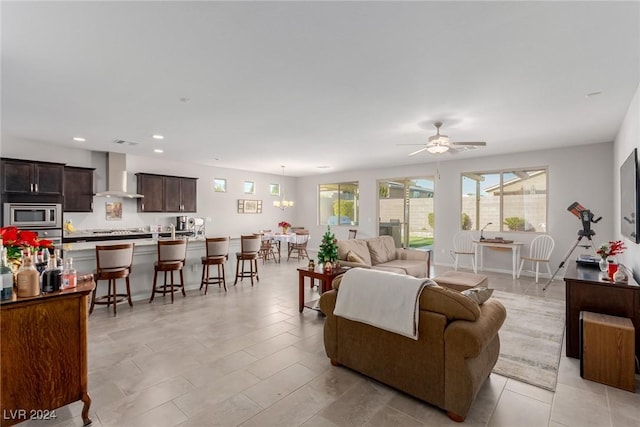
[{"x": 33, "y": 215}]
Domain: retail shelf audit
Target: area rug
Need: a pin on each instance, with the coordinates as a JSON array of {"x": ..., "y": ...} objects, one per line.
[{"x": 531, "y": 339}]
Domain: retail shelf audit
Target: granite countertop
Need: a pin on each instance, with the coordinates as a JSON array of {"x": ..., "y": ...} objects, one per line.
[
  {"x": 86, "y": 245},
  {"x": 119, "y": 235}
]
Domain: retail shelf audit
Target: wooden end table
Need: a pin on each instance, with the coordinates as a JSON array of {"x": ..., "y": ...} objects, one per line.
[{"x": 325, "y": 279}]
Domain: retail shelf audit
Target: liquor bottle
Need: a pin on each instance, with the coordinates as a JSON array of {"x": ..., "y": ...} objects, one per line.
[
  {"x": 52, "y": 276},
  {"x": 69, "y": 275},
  {"x": 27, "y": 279},
  {"x": 6, "y": 274},
  {"x": 42, "y": 260}
]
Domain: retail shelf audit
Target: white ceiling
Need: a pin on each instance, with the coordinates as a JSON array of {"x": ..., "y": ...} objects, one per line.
[{"x": 308, "y": 84}]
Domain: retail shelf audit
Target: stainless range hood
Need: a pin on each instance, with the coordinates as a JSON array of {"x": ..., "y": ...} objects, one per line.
[{"x": 117, "y": 177}]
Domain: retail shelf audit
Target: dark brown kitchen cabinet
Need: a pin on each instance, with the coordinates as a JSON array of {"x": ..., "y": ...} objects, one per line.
[
  {"x": 24, "y": 176},
  {"x": 152, "y": 188},
  {"x": 180, "y": 194},
  {"x": 78, "y": 189},
  {"x": 164, "y": 193}
]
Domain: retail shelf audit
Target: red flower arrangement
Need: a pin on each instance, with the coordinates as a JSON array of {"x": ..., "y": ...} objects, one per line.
[
  {"x": 284, "y": 224},
  {"x": 16, "y": 241},
  {"x": 611, "y": 249}
]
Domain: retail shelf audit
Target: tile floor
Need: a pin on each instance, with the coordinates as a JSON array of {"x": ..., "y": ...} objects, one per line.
[{"x": 247, "y": 357}]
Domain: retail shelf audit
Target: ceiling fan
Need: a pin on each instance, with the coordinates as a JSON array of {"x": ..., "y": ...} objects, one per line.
[{"x": 439, "y": 143}]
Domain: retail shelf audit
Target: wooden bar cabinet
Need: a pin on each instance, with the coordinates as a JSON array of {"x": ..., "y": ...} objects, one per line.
[{"x": 43, "y": 354}]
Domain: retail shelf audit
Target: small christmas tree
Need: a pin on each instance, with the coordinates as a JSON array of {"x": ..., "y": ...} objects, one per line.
[{"x": 328, "y": 250}]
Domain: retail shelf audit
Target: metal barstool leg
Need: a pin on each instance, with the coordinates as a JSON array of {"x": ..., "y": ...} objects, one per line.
[
  {"x": 126, "y": 279},
  {"x": 184, "y": 294},
  {"x": 153, "y": 290},
  {"x": 114, "y": 298}
]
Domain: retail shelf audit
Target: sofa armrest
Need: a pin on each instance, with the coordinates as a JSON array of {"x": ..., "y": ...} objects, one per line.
[
  {"x": 468, "y": 339},
  {"x": 330, "y": 330}
]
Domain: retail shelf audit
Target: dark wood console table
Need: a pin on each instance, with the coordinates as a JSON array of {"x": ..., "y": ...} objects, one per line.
[
  {"x": 586, "y": 291},
  {"x": 43, "y": 348}
]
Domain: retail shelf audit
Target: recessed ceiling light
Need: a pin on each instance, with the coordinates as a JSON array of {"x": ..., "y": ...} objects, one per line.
[
  {"x": 79, "y": 139},
  {"x": 158, "y": 150},
  {"x": 158, "y": 136},
  {"x": 323, "y": 167},
  {"x": 589, "y": 95}
]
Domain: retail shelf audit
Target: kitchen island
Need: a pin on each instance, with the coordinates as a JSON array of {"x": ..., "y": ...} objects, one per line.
[{"x": 145, "y": 254}]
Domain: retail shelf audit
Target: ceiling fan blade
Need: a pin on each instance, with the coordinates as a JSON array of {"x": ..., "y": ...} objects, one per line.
[
  {"x": 418, "y": 151},
  {"x": 470, "y": 143}
]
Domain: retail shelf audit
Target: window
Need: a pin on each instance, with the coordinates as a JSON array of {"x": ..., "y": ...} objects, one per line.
[
  {"x": 510, "y": 200},
  {"x": 249, "y": 187},
  {"x": 338, "y": 203},
  {"x": 220, "y": 185},
  {"x": 274, "y": 189}
]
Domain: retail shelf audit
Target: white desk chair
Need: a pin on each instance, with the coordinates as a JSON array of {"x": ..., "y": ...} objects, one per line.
[
  {"x": 463, "y": 246},
  {"x": 540, "y": 251}
]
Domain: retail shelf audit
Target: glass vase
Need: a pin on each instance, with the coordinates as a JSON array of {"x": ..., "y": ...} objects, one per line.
[{"x": 604, "y": 265}]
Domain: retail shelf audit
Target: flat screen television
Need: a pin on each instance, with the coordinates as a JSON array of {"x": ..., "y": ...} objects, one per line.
[{"x": 630, "y": 198}]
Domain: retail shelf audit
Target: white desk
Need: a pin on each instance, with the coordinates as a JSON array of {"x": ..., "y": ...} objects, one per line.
[{"x": 515, "y": 252}]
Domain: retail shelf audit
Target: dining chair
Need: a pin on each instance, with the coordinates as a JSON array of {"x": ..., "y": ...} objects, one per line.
[
  {"x": 463, "y": 246},
  {"x": 249, "y": 249},
  {"x": 172, "y": 255},
  {"x": 113, "y": 263},
  {"x": 216, "y": 253},
  {"x": 299, "y": 247},
  {"x": 539, "y": 252},
  {"x": 266, "y": 248}
]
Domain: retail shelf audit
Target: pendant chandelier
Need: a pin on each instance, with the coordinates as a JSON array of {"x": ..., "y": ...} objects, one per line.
[{"x": 282, "y": 203}]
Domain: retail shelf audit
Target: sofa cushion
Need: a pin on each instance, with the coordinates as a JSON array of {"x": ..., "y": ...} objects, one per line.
[
  {"x": 449, "y": 303},
  {"x": 479, "y": 295},
  {"x": 382, "y": 249},
  {"x": 353, "y": 257},
  {"x": 415, "y": 268},
  {"x": 357, "y": 246}
]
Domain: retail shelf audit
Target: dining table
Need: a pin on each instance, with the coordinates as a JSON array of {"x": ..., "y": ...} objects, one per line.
[{"x": 281, "y": 238}]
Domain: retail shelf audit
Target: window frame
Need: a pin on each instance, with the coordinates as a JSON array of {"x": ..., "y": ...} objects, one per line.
[
  {"x": 501, "y": 172},
  {"x": 356, "y": 203}
]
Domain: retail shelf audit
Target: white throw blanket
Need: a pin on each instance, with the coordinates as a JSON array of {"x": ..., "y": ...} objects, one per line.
[{"x": 385, "y": 300}]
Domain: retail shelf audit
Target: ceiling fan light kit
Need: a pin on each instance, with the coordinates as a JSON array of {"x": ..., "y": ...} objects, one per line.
[{"x": 439, "y": 144}]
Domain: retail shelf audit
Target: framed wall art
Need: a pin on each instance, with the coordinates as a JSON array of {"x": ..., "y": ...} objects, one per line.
[
  {"x": 113, "y": 211},
  {"x": 249, "y": 206}
]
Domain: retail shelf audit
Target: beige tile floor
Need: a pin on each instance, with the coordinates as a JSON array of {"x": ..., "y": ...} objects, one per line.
[{"x": 247, "y": 357}]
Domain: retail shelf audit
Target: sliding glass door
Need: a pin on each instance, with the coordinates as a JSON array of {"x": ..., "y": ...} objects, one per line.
[{"x": 406, "y": 211}]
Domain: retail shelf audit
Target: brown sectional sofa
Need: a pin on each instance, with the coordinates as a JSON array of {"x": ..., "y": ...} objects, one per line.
[
  {"x": 380, "y": 253},
  {"x": 457, "y": 347}
]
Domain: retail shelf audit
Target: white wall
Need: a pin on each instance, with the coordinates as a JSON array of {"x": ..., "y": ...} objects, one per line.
[
  {"x": 220, "y": 207},
  {"x": 627, "y": 139},
  {"x": 582, "y": 173}
]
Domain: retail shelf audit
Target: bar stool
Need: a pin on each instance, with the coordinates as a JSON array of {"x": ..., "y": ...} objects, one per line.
[
  {"x": 172, "y": 255},
  {"x": 249, "y": 249},
  {"x": 113, "y": 263},
  {"x": 217, "y": 253}
]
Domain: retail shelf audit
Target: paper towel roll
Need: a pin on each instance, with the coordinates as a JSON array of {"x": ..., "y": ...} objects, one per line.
[{"x": 198, "y": 221}]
